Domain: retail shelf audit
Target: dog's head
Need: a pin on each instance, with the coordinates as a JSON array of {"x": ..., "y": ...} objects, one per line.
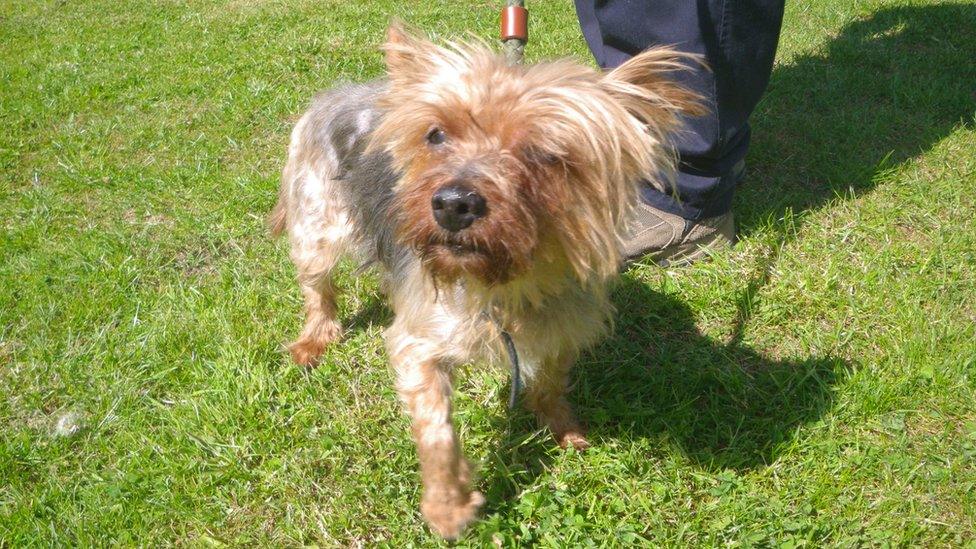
[{"x": 506, "y": 167}]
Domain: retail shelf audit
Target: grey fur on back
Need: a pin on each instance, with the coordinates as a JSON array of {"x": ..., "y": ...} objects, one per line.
[{"x": 344, "y": 120}]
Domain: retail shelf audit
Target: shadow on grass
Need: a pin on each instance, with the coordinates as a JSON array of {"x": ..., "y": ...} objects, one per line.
[
  {"x": 888, "y": 87},
  {"x": 374, "y": 312},
  {"x": 720, "y": 405},
  {"x": 724, "y": 405}
]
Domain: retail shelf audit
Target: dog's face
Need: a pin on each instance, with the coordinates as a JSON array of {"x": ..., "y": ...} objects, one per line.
[{"x": 506, "y": 166}]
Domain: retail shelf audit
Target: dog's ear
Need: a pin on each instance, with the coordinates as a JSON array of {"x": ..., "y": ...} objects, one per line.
[
  {"x": 643, "y": 84},
  {"x": 407, "y": 54}
]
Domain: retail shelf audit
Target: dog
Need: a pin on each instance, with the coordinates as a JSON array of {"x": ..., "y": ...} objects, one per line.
[{"x": 492, "y": 197}]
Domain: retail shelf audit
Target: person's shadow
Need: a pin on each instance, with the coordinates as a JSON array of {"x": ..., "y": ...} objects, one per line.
[
  {"x": 723, "y": 405},
  {"x": 887, "y": 88}
]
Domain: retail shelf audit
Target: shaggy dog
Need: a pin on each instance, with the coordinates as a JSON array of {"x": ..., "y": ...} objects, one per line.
[{"x": 492, "y": 197}]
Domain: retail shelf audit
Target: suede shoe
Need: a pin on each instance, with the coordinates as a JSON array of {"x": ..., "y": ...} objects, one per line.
[{"x": 671, "y": 240}]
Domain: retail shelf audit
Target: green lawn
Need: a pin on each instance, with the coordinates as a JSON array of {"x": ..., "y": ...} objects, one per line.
[{"x": 816, "y": 384}]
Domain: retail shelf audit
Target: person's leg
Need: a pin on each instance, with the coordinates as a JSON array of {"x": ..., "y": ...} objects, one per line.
[{"x": 738, "y": 41}]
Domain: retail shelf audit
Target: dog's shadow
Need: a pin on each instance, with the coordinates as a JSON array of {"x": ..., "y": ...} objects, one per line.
[
  {"x": 722, "y": 405},
  {"x": 888, "y": 87}
]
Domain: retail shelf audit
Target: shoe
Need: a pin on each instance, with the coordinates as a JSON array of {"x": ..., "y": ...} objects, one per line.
[{"x": 671, "y": 240}]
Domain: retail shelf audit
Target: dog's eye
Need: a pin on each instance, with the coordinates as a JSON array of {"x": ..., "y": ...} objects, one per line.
[
  {"x": 436, "y": 136},
  {"x": 538, "y": 156}
]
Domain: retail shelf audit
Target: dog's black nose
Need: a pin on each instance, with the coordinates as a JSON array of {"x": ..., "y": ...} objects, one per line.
[{"x": 456, "y": 207}]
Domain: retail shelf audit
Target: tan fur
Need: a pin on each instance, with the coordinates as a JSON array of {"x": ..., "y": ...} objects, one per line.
[{"x": 556, "y": 149}]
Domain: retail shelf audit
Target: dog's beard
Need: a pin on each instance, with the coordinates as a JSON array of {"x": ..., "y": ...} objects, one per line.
[{"x": 451, "y": 257}]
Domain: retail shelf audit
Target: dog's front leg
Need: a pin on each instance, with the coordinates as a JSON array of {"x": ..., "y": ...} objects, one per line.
[
  {"x": 424, "y": 385},
  {"x": 546, "y": 397}
]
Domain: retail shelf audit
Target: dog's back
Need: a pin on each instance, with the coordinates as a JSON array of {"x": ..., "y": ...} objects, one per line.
[{"x": 329, "y": 167}]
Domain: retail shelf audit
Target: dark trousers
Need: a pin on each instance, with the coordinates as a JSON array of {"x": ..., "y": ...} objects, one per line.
[{"x": 738, "y": 39}]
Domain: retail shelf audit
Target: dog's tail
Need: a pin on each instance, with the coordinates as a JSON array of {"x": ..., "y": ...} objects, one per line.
[{"x": 277, "y": 217}]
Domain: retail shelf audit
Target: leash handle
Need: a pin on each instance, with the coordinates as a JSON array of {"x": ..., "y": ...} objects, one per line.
[{"x": 514, "y": 30}]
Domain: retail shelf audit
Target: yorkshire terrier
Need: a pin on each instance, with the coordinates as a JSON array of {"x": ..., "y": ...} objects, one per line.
[{"x": 492, "y": 197}]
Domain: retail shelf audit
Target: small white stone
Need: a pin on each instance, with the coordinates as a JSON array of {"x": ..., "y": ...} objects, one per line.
[{"x": 69, "y": 424}]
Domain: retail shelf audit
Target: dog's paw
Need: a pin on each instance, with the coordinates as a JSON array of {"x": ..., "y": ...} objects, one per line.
[
  {"x": 449, "y": 516},
  {"x": 307, "y": 350},
  {"x": 574, "y": 438}
]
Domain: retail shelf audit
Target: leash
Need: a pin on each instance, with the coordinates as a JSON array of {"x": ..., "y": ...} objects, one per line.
[
  {"x": 515, "y": 30},
  {"x": 514, "y": 36},
  {"x": 512, "y": 358},
  {"x": 516, "y": 369}
]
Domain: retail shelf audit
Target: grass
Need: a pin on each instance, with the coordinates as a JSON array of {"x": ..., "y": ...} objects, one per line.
[{"x": 814, "y": 385}]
